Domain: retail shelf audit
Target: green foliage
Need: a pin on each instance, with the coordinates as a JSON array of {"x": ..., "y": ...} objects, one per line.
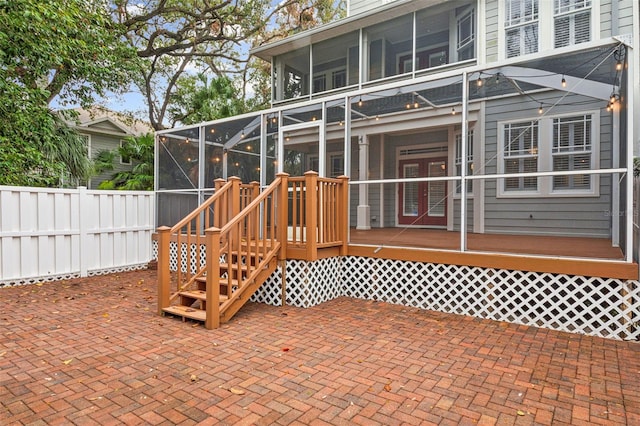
[
  {"x": 197, "y": 99},
  {"x": 140, "y": 150},
  {"x": 70, "y": 52}
]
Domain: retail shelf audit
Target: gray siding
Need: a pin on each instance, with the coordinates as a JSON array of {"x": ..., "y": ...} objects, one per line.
[
  {"x": 359, "y": 6},
  {"x": 586, "y": 216},
  {"x": 491, "y": 27},
  {"x": 106, "y": 142}
]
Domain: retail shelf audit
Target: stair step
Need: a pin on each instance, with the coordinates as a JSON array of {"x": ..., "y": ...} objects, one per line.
[
  {"x": 223, "y": 281},
  {"x": 186, "y": 312},
  {"x": 200, "y": 295}
]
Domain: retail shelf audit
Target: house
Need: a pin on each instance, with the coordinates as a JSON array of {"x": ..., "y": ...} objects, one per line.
[
  {"x": 489, "y": 149},
  {"x": 106, "y": 130}
]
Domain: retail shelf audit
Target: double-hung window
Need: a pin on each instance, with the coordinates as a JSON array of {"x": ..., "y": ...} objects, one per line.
[
  {"x": 567, "y": 144},
  {"x": 520, "y": 155},
  {"x": 459, "y": 162},
  {"x": 521, "y": 27},
  {"x": 571, "y": 151},
  {"x": 572, "y": 22},
  {"x": 466, "y": 33}
]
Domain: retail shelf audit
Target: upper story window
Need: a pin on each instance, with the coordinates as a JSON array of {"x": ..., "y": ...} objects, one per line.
[
  {"x": 521, "y": 27},
  {"x": 572, "y": 22},
  {"x": 466, "y": 34},
  {"x": 124, "y": 159}
]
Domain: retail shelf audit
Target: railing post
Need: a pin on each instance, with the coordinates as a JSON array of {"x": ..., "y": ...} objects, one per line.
[
  {"x": 212, "y": 244},
  {"x": 234, "y": 209},
  {"x": 282, "y": 212},
  {"x": 343, "y": 214},
  {"x": 311, "y": 214},
  {"x": 218, "y": 208},
  {"x": 164, "y": 273},
  {"x": 255, "y": 216}
]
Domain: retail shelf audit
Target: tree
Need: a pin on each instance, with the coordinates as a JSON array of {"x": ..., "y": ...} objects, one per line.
[
  {"x": 72, "y": 54},
  {"x": 140, "y": 150},
  {"x": 197, "y": 99},
  {"x": 173, "y": 37}
]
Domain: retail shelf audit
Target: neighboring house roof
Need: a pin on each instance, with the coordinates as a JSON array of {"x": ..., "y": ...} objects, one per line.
[{"x": 102, "y": 120}]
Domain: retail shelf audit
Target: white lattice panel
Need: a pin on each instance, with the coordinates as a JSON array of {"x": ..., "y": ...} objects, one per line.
[
  {"x": 586, "y": 305},
  {"x": 270, "y": 292},
  {"x": 311, "y": 283}
]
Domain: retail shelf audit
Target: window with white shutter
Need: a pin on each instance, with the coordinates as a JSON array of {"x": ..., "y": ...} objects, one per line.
[
  {"x": 572, "y": 22},
  {"x": 572, "y": 149},
  {"x": 520, "y": 155},
  {"x": 521, "y": 27}
]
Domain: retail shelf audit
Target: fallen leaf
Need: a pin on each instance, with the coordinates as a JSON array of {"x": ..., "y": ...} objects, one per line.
[
  {"x": 194, "y": 377},
  {"x": 521, "y": 413},
  {"x": 236, "y": 391},
  {"x": 285, "y": 349},
  {"x": 106, "y": 315},
  {"x": 39, "y": 284},
  {"x": 67, "y": 362},
  {"x": 194, "y": 325},
  {"x": 28, "y": 318},
  {"x": 387, "y": 387},
  {"x": 3, "y": 353}
]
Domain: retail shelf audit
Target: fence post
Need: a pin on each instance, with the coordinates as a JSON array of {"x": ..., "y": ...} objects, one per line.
[
  {"x": 84, "y": 210},
  {"x": 164, "y": 273},
  {"x": 343, "y": 214},
  {"x": 311, "y": 214},
  {"x": 212, "y": 244}
]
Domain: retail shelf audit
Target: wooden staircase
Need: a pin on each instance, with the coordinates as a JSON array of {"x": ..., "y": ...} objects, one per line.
[{"x": 213, "y": 260}]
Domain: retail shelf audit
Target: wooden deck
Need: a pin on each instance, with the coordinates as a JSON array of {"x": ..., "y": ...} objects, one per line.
[{"x": 568, "y": 255}]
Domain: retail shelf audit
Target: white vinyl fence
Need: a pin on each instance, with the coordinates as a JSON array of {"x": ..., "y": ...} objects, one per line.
[{"x": 49, "y": 234}]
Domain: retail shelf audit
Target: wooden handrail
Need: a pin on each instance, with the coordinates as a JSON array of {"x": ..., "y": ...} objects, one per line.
[
  {"x": 188, "y": 218},
  {"x": 252, "y": 205}
]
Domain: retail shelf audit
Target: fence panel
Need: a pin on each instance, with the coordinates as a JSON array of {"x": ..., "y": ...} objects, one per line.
[{"x": 48, "y": 234}]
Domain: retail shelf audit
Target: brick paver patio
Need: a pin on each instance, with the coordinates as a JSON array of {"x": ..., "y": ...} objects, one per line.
[{"x": 93, "y": 351}]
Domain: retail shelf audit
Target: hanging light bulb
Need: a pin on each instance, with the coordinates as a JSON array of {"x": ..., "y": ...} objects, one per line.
[
  {"x": 377, "y": 117},
  {"x": 212, "y": 130},
  {"x": 360, "y": 101},
  {"x": 242, "y": 134},
  {"x": 540, "y": 110},
  {"x": 618, "y": 65},
  {"x": 613, "y": 99},
  {"x": 479, "y": 81},
  {"x": 453, "y": 111},
  {"x": 564, "y": 82},
  {"x": 608, "y": 106},
  {"x": 416, "y": 104},
  {"x": 497, "y": 78}
]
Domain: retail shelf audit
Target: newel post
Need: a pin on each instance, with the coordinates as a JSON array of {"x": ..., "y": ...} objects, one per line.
[
  {"x": 311, "y": 214},
  {"x": 212, "y": 244},
  {"x": 343, "y": 212},
  {"x": 234, "y": 202},
  {"x": 219, "y": 206},
  {"x": 282, "y": 213},
  {"x": 164, "y": 272}
]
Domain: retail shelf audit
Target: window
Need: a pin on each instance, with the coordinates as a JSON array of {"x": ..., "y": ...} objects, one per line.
[
  {"x": 567, "y": 143},
  {"x": 572, "y": 22},
  {"x": 336, "y": 165},
  {"x": 520, "y": 155},
  {"x": 124, "y": 159},
  {"x": 458, "y": 160},
  {"x": 521, "y": 27},
  {"x": 319, "y": 83},
  {"x": 572, "y": 151},
  {"x": 466, "y": 36},
  {"x": 339, "y": 78}
]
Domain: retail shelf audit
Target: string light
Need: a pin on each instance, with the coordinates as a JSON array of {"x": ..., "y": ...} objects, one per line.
[
  {"x": 242, "y": 134},
  {"x": 212, "y": 130},
  {"x": 564, "y": 81},
  {"x": 453, "y": 111},
  {"x": 540, "y": 110},
  {"x": 360, "y": 101},
  {"x": 479, "y": 81},
  {"x": 497, "y": 78},
  {"x": 377, "y": 117}
]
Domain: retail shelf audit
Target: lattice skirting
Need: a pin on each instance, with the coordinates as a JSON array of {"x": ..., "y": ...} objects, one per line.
[{"x": 586, "y": 305}]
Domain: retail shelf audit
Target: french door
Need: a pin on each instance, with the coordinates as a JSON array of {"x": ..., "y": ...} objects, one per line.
[{"x": 423, "y": 203}]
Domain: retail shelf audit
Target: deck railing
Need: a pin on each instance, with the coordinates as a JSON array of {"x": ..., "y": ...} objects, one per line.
[
  {"x": 232, "y": 236},
  {"x": 186, "y": 239}
]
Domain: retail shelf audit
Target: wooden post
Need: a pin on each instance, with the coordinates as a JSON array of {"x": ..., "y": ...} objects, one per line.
[
  {"x": 282, "y": 212},
  {"x": 343, "y": 212},
  {"x": 164, "y": 273},
  {"x": 212, "y": 244},
  {"x": 311, "y": 214},
  {"x": 218, "y": 208},
  {"x": 255, "y": 216}
]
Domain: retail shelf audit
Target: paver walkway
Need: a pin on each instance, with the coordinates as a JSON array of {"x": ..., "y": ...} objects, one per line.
[{"x": 93, "y": 351}]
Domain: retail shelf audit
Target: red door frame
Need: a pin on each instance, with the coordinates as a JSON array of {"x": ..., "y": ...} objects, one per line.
[{"x": 422, "y": 216}]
